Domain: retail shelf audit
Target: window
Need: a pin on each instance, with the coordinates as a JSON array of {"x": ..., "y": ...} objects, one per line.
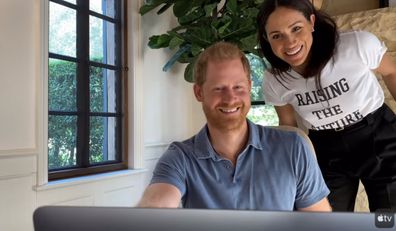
[
  {"x": 86, "y": 87},
  {"x": 260, "y": 112}
]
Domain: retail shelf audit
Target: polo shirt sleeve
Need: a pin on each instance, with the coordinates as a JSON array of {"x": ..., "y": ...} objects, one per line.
[
  {"x": 311, "y": 187},
  {"x": 170, "y": 169}
]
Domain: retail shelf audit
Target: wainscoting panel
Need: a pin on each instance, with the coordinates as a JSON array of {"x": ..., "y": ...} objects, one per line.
[
  {"x": 17, "y": 203},
  {"x": 16, "y": 163}
]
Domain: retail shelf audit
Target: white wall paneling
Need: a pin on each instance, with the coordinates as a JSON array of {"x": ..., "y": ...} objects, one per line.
[
  {"x": 14, "y": 165},
  {"x": 18, "y": 73},
  {"x": 17, "y": 202},
  {"x": 161, "y": 108}
]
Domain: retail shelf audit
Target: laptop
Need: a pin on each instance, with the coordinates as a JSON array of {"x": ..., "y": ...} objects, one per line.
[{"x": 74, "y": 218}]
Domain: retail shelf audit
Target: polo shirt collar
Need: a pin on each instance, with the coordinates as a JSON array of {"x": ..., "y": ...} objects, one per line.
[{"x": 203, "y": 149}]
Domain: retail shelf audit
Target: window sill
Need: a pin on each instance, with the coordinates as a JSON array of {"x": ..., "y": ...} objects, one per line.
[{"x": 88, "y": 179}]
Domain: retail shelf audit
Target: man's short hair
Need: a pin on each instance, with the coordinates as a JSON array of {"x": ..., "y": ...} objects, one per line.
[{"x": 220, "y": 51}]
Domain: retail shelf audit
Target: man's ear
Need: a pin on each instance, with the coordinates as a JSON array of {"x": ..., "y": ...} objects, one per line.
[{"x": 198, "y": 92}]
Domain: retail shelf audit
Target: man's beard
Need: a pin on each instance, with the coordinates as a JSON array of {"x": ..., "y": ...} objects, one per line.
[{"x": 226, "y": 123}]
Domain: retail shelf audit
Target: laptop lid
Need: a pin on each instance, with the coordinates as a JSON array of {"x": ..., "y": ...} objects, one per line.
[{"x": 72, "y": 218}]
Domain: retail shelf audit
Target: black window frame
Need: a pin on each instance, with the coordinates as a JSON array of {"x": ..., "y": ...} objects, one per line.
[{"x": 83, "y": 113}]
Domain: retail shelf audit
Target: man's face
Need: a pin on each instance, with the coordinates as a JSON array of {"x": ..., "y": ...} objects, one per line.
[{"x": 225, "y": 94}]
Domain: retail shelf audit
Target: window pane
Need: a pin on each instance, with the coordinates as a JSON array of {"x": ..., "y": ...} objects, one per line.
[
  {"x": 62, "y": 141},
  {"x": 102, "y": 41},
  {"x": 105, "y": 7},
  {"x": 61, "y": 85},
  {"x": 102, "y": 144},
  {"x": 62, "y": 30},
  {"x": 264, "y": 115},
  {"x": 103, "y": 90}
]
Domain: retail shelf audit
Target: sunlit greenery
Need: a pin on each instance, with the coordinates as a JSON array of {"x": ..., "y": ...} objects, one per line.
[
  {"x": 62, "y": 130},
  {"x": 261, "y": 114},
  {"x": 62, "y": 90},
  {"x": 264, "y": 115}
]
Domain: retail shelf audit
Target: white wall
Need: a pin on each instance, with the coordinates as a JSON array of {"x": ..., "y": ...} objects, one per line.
[{"x": 163, "y": 109}]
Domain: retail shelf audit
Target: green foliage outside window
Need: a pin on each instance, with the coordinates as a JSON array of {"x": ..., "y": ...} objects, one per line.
[
  {"x": 257, "y": 67},
  {"x": 62, "y": 130},
  {"x": 261, "y": 114}
]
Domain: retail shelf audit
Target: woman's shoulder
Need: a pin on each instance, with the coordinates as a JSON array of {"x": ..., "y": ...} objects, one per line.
[{"x": 357, "y": 36}]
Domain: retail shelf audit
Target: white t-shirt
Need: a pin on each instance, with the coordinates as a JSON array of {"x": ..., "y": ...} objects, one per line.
[{"x": 351, "y": 89}]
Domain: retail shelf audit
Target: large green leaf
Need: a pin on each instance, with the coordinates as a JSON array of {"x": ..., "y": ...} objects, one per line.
[
  {"x": 186, "y": 57},
  {"x": 209, "y": 9},
  {"x": 251, "y": 12},
  {"x": 191, "y": 16},
  {"x": 181, "y": 8},
  {"x": 189, "y": 73},
  {"x": 175, "y": 42},
  {"x": 202, "y": 36},
  {"x": 240, "y": 26},
  {"x": 232, "y": 6},
  {"x": 195, "y": 49},
  {"x": 222, "y": 24},
  {"x": 159, "y": 41},
  {"x": 249, "y": 43},
  {"x": 150, "y": 5}
]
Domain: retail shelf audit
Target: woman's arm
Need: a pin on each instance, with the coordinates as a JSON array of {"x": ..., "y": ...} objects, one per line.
[
  {"x": 286, "y": 115},
  {"x": 387, "y": 69}
]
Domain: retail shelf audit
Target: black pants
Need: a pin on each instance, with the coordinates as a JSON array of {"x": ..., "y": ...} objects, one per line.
[{"x": 365, "y": 151}]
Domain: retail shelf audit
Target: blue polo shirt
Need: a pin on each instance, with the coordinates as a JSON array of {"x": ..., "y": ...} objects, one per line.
[{"x": 276, "y": 171}]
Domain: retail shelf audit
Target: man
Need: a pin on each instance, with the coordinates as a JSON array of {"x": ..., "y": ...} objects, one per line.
[{"x": 232, "y": 163}]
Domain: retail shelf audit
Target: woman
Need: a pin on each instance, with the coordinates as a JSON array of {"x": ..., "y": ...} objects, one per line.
[{"x": 327, "y": 79}]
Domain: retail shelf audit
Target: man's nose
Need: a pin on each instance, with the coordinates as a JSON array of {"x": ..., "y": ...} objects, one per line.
[{"x": 228, "y": 95}]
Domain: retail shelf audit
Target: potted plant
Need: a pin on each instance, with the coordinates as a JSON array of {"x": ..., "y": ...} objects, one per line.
[{"x": 202, "y": 23}]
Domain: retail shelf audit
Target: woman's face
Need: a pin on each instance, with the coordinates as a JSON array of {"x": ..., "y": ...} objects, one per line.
[{"x": 290, "y": 36}]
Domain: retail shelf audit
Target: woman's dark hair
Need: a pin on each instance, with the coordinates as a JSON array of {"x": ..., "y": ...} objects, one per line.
[{"x": 324, "y": 43}]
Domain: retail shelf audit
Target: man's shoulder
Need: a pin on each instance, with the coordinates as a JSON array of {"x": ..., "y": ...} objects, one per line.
[
  {"x": 282, "y": 134},
  {"x": 193, "y": 146},
  {"x": 279, "y": 131},
  {"x": 184, "y": 145}
]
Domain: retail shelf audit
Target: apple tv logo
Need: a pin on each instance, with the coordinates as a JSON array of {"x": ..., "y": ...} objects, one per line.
[{"x": 384, "y": 220}]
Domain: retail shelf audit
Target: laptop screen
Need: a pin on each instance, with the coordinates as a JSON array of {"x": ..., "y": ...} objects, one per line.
[{"x": 72, "y": 218}]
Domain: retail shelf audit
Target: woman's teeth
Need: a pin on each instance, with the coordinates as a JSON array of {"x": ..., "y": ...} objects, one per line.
[{"x": 295, "y": 51}]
